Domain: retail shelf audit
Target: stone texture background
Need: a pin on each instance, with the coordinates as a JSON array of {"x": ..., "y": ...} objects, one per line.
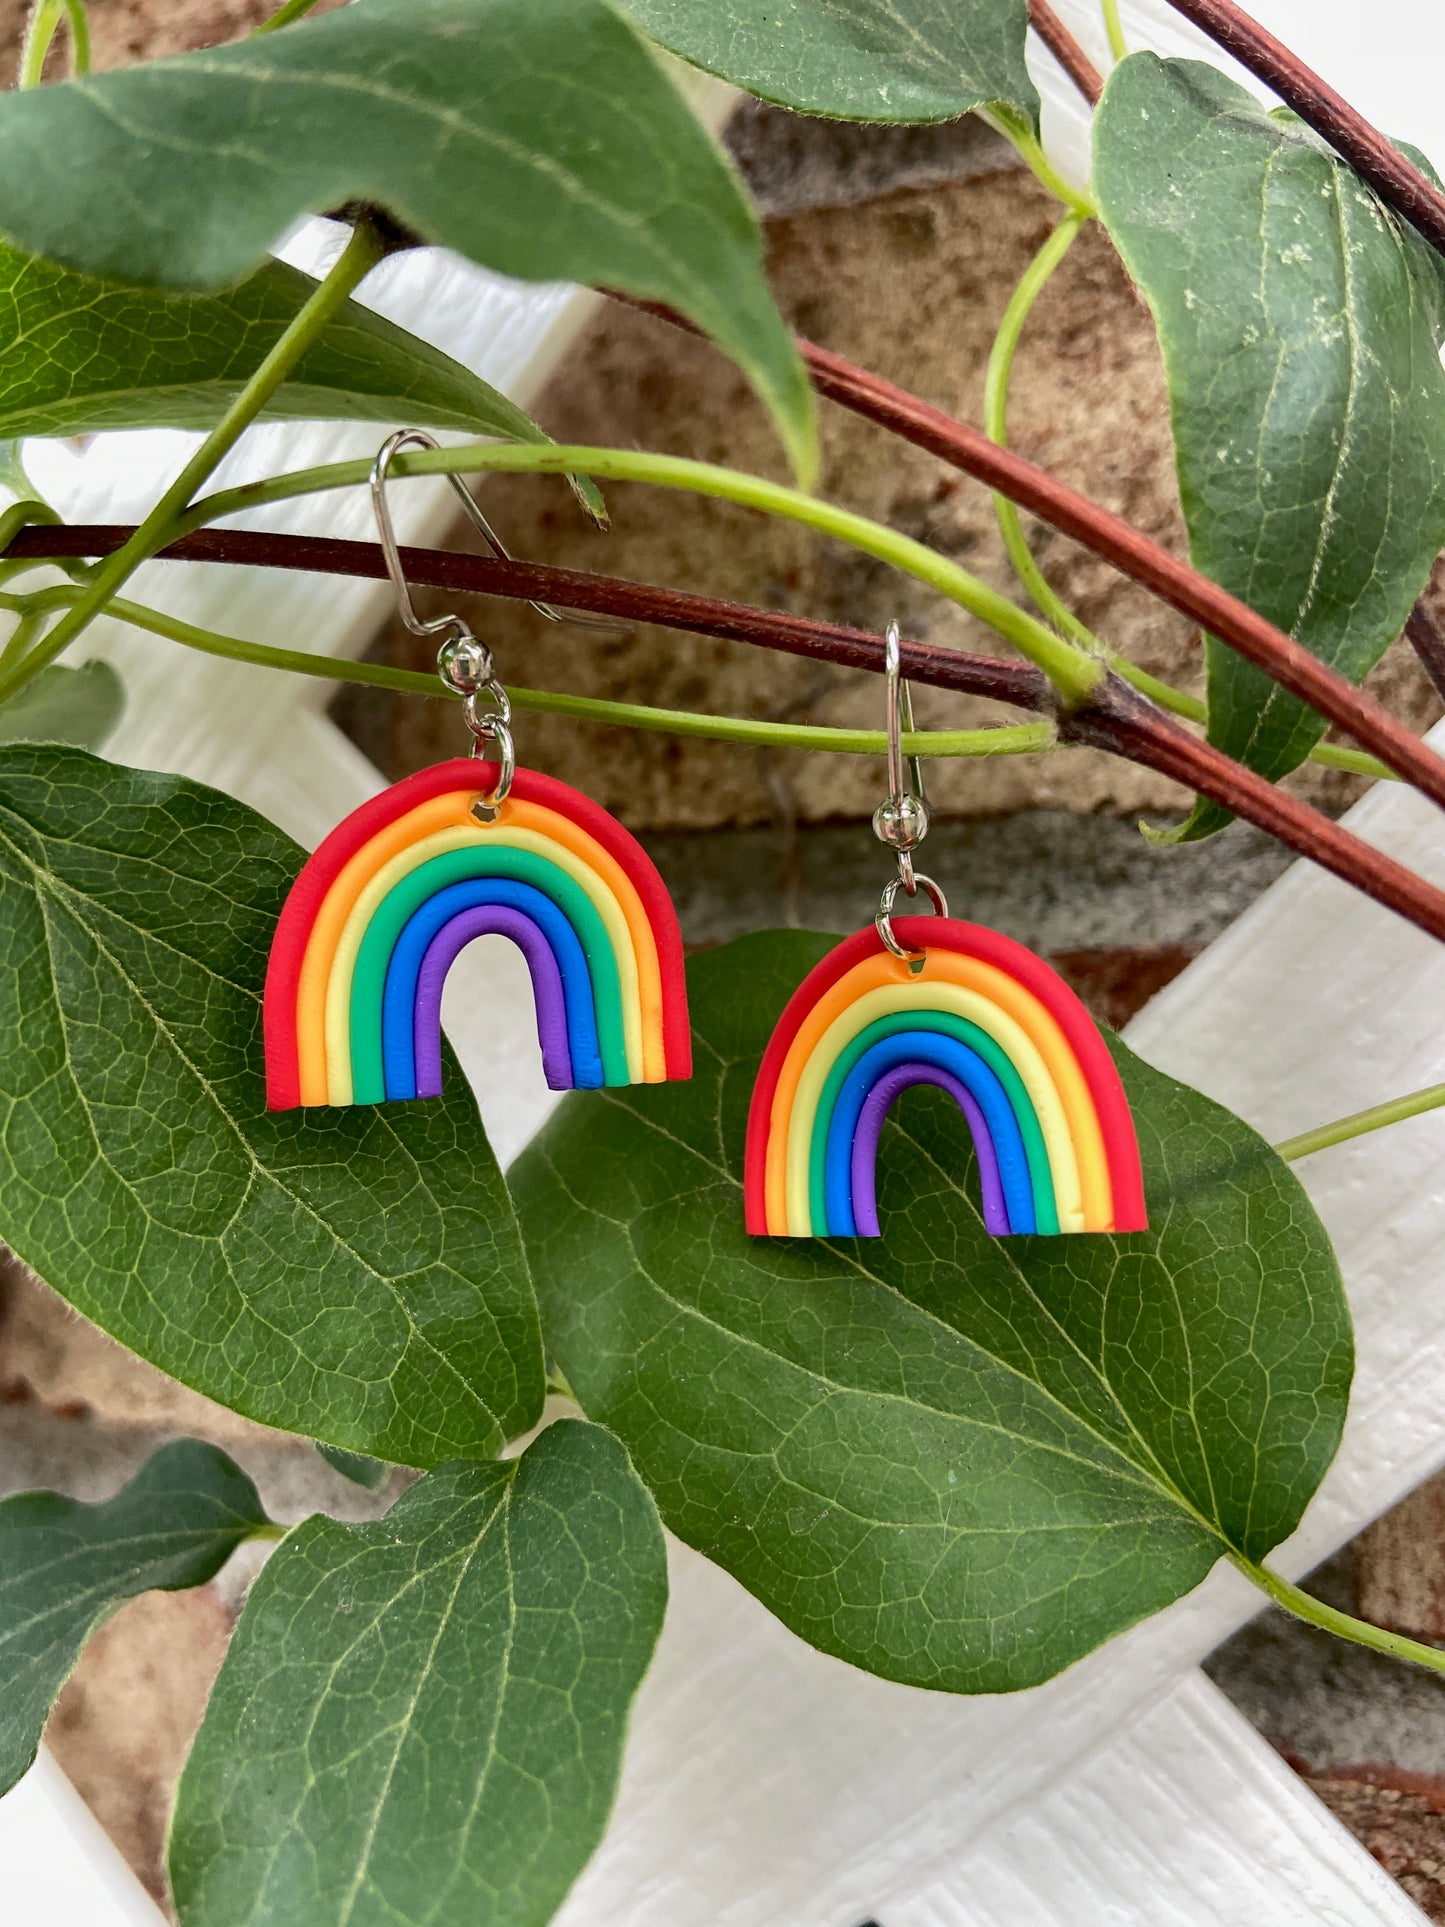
[{"x": 899, "y": 249}]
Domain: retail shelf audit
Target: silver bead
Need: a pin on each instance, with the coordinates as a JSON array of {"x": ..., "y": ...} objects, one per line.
[
  {"x": 465, "y": 663},
  {"x": 901, "y": 822}
]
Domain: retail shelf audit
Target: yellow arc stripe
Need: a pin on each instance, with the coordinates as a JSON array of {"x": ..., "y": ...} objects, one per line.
[
  {"x": 1022, "y": 1026},
  {"x": 445, "y": 823}
]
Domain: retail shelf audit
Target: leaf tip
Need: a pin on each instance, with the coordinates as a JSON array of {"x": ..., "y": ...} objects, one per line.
[
  {"x": 1206, "y": 819},
  {"x": 797, "y": 418}
]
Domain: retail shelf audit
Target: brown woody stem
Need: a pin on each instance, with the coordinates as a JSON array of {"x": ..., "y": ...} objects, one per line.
[
  {"x": 1066, "y": 50},
  {"x": 1119, "y": 719}
]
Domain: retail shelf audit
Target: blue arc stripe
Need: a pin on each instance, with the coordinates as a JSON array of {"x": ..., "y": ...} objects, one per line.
[
  {"x": 935, "y": 1048},
  {"x": 399, "y": 1001}
]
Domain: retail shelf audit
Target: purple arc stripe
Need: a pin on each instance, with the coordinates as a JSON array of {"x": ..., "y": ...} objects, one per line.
[
  {"x": 491, "y": 920},
  {"x": 863, "y": 1168}
]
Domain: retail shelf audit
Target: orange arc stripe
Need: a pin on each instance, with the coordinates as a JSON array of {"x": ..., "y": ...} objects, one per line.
[
  {"x": 1021, "y": 1004},
  {"x": 453, "y": 811}
]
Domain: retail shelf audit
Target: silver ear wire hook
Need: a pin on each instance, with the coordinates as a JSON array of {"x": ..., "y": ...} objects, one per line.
[
  {"x": 418, "y": 438},
  {"x": 464, "y": 664},
  {"x": 901, "y": 820}
]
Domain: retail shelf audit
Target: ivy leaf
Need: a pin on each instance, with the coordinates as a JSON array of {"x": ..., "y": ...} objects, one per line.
[
  {"x": 422, "y": 1720},
  {"x": 66, "y": 1567},
  {"x": 78, "y": 706},
  {"x": 957, "y": 1461},
  {"x": 1301, "y": 324},
  {"x": 878, "y": 60},
  {"x": 355, "y": 1275},
  {"x": 81, "y": 355},
  {"x": 538, "y": 137}
]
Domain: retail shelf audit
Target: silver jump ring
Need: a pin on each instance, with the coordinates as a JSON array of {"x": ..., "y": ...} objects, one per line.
[
  {"x": 883, "y": 922},
  {"x": 492, "y": 726},
  {"x": 496, "y": 733},
  {"x": 486, "y": 722}
]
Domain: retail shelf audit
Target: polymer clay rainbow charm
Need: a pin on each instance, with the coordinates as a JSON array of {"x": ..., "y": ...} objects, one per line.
[
  {"x": 931, "y": 1000},
  {"x": 373, "y": 923},
  {"x": 471, "y": 848},
  {"x": 982, "y": 1018}
]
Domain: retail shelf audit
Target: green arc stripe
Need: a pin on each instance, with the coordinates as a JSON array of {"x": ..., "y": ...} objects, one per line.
[
  {"x": 368, "y": 983},
  {"x": 989, "y": 1049}
]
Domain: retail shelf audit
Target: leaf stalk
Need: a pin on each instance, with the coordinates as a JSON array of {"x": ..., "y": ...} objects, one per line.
[
  {"x": 284, "y": 16},
  {"x": 1314, "y": 1612},
  {"x": 1035, "y": 279},
  {"x": 1021, "y": 137},
  {"x": 1114, "y": 28},
  {"x": 1359, "y": 1123},
  {"x": 44, "y": 23}
]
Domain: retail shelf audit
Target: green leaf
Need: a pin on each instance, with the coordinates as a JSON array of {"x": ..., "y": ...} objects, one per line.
[
  {"x": 539, "y": 137},
  {"x": 371, "y": 1473},
  {"x": 78, "y": 706},
  {"x": 82, "y": 355},
  {"x": 1301, "y": 324},
  {"x": 878, "y": 60},
  {"x": 422, "y": 1720},
  {"x": 66, "y": 1567},
  {"x": 355, "y": 1275},
  {"x": 957, "y": 1461}
]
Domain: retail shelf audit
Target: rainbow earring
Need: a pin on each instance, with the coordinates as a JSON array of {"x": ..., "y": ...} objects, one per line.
[
  {"x": 931, "y": 1000},
  {"x": 472, "y": 847}
]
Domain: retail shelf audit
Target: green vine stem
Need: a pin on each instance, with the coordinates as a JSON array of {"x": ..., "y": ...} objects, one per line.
[
  {"x": 23, "y": 515},
  {"x": 1016, "y": 130},
  {"x": 1360, "y": 1122},
  {"x": 12, "y": 469},
  {"x": 995, "y": 423},
  {"x": 1113, "y": 26},
  {"x": 1314, "y": 1612},
  {"x": 1075, "y": 675},
  {"x": 361, "y": 254},
  {"x": 1012, "y": 739},
  {"x": 44, "y": 23},
  {"x": 22, "y": 637}
]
